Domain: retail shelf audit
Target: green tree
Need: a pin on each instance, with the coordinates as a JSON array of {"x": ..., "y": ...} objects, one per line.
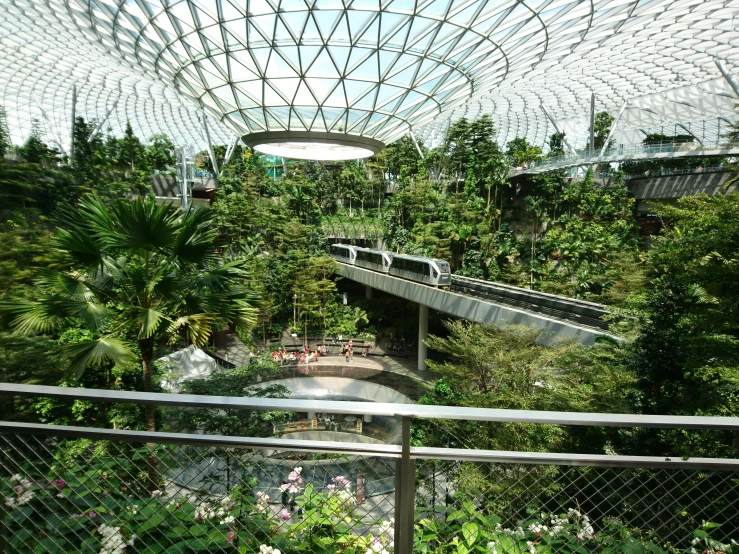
[
  {"x": 602, "y": 126},
  {"x": 4, "y": 134},
  {"x": 130, "y": 150},
  {"x": 687, "y": 350},
  {"x": 136, "y": 274},
  {"x": 520, "y": 152},
  {"x": 160, "y": 152}
]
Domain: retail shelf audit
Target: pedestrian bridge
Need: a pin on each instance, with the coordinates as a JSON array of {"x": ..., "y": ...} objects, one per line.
[
  {"x": 630, "y": 153},
  {"x": 500, "y": 311}
]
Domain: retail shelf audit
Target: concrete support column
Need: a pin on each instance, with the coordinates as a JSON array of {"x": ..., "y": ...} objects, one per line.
[
  {"x": 423, "y": 331},
  {"x": 368, "y": 292}
]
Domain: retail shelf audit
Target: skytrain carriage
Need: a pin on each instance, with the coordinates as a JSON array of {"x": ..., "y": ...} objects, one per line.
[
  {"x": 344, "y": 253},
  {"x": 376, "y": 260},
  {"x": 435, "y": 273}
]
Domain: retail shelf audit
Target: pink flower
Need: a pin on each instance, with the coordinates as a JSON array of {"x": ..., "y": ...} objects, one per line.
[
  {"x": 284, "y": 514},
  {"x": 230, "y": 536},
  {"x": 59, "y": 483}
]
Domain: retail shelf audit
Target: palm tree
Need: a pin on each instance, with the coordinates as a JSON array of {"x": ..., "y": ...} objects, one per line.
[{"x": 137, "y": 275}]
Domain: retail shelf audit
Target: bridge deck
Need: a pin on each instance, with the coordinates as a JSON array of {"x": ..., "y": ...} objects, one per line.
[
  {"x": 473, "y": 308},
  {"x": 645, "y": 153}
]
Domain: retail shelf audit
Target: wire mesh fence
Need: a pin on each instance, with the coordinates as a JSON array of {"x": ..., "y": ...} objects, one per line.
[
  {"x": 109, "y": 497},
  {"x": 549, "y": 508}
]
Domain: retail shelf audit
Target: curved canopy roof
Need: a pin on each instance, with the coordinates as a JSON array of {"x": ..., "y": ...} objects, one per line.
[{"x": 368, "y": 68}]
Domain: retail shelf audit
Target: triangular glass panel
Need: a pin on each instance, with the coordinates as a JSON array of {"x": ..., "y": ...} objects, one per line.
[
  {"x": 281, "y": 114},
  {"x": 355, "y": 89},
  {"x": 271, "y": 97},
  {"x": 389, "y": 23},
  {"x": 367, "y": 102},
  {"x": 221, "y": 63},
  {"x": 398, "y": 38},
  {"x": 341, "y": 32},
  {"x": 356, "y": 57},
  {"x": 340, "y": 55},
  {"x": 358, "y": 19},
  {"x": 295, "y": 122},
  {"x": 282, "y": 35},
  {"x": 288, "y": 87},
  {"x": 253, "y": 89},
  {"x": 259, "y": 7},
  {"x": 242, "y": 66},
  {"x": 464, "y": 16},
  {"x": 291, "y": 56},
  {"x": 257, "y": 115},
  {"x": 325, "y": 20},
  {"x": 332, "y": 117},
  {"x": 354, "y": 118},
  {"x": 306, "y": 114},
  {"x": 310, "y": 32},
  {"x": 390, "y": 107},
  {"x": 245, "y": 101},
  {"x": 370, "y": 37},
  {"x": 387, "y": 59},
  {"x": 407, "y": 6},
  {"x": 304, "y": 96},
  {"x": 321, "y": 88},
  {"x": 262, "y": 57},
  {"x": 278, "y": 67},
  {"x": 307, "y": 55},
  {"x": 238, "y": 119},
  {"x": 225, "y": 94},
  {"x": 387, "y": 92},
  {"x": 294, "y": 21},
  {"x": 272, "y": 123},
  {"x": 232, "y": 10},
  {"x": 435, "y": 8},
  {"x": 404, "y": 78},
  {"x": 323, "y": 67},
  {"x": 336, "y": 99},
  {"x": 211, "y": 80},
  {"x": 265, "y": 24},
  {"x": 367, "y": 70}
]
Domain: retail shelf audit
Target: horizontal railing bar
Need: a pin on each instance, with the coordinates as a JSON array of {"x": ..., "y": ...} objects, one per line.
[
  {"x": 193, "y": 439},
  {"x": 377, "y": 408},
  {"x": 596, "y": 460}
]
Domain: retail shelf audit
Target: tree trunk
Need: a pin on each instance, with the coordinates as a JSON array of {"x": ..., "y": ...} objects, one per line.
[{"x": 147, "y": 353}]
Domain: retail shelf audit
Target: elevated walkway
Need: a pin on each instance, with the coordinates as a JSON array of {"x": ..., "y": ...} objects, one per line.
[
  {"x": 474, "y": 308},
  {"x": 631, "y": 153}
]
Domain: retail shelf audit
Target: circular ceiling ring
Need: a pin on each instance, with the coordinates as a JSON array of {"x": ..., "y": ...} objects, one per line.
[{"x": 312, "y": 145}]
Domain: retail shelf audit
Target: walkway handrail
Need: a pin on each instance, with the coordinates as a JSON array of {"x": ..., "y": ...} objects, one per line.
[{"x": 378, "y": 409}]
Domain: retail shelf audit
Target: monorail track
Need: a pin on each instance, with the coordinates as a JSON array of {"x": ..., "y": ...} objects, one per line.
[{"x": 583, "y": 313}]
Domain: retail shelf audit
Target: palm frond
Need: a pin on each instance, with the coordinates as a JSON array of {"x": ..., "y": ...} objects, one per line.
[
  {"x": 64, "y": 284},
  {"x": 150, "y": 320},
  {"x": 221, "y": 277},
  {"x": 31, "y": 318},
  {"x": 93, "y": 352},
  {"x": 141, "y": 224},
  {"x": 198, "y": 327},
  {"x": 195, "y": 238}
]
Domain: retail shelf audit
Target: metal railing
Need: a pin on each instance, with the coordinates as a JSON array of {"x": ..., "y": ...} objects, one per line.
[{"x": 77, "y": 489}]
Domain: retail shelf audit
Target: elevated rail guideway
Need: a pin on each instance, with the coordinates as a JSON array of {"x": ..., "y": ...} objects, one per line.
[
  {"x": 632, "y": 153},
  {"x": 559, "y": 318}
]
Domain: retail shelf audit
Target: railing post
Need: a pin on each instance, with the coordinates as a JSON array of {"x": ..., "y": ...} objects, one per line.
[{"x": 405, "y": 493}]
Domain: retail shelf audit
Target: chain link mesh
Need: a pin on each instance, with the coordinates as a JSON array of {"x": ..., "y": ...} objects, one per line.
[
  {"x": 547, "y": 508},
  {"x": 109, "y": 497}
]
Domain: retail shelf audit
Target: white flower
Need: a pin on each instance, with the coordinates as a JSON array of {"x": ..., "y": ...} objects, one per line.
[
  {"x": 491, "y": 547},
  {"x": 112, "y": 540},
  {"x": 264, "y": 549},
  {"x": 16, "y": 477},
  {"x": 157, "y": 493},
  {"x": 204, "y": 511},
  {"x": 228, "y": 520},
  {"x": 530, "y": 544}
]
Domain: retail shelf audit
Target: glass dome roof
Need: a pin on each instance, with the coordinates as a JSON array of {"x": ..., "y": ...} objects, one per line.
[{"x": 370, "y": 69}]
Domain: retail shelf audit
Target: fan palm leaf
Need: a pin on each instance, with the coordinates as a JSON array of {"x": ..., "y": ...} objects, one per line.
[{"x": 84, "y": 354}]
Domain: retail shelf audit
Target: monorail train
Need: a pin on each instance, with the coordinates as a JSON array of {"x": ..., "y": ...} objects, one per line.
[{"x": 435, "y": 273}]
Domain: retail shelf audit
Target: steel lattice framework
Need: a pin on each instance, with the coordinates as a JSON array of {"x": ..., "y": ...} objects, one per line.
[{"x": 368, "y": 69}]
